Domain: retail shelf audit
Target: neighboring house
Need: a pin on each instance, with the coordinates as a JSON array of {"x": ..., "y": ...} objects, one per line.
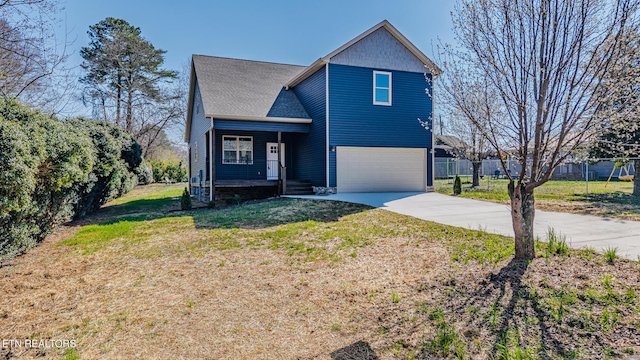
[
  {"x": 348, "y": 121},
  {"x": 446, "y": 146}
]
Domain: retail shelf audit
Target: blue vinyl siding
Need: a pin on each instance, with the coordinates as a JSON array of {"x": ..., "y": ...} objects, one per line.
[
  {"x": 257, "y": 170},
  {"x": 310, "y": 155},
  {"x": 355, "y": 121}
]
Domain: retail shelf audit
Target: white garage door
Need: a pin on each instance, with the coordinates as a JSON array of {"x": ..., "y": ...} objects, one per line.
[{"x": 368, "y": 169}]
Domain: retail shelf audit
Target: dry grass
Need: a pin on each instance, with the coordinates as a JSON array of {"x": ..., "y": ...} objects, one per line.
[{"x": 296, "y": 279}]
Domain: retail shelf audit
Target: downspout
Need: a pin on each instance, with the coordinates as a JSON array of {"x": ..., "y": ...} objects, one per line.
[
  {"x": 326, "y": 100},
  {"x": 211, "y": 160},
  {"x": 433, "y": 142}
]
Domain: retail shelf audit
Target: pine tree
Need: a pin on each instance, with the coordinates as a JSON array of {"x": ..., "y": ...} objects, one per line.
[
  {"x": 185, "y": 200},
  {"x": 123, "y": 71},
  {"x": 457, "y": 186}
]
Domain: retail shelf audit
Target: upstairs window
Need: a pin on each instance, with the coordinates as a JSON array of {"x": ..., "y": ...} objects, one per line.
[
  {"x": 237, "y": 150},
  {"x": 381, "y": 88}
]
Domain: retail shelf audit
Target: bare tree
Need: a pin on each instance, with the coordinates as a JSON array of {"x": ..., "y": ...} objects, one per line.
[
  {"x": 618, "y": 135},
  {"x": 154, "y": 119},
  {"x": 32, "y": 61},
  {"x": 470, "y": 104},
  {"x": 547, "y": 60}
]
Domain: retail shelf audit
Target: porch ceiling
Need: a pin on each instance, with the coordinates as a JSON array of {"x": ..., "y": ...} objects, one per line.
[{"x": 271, "y": 125}]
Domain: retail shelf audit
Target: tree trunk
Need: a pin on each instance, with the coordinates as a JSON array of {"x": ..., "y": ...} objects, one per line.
[
  {"x": 129, "y": 114},
  {"x": 476, "y": 173},
  {"x": 636, "y": 177},
  {"x": 118, "y": 102},
  {"x": 522, "y": 214}
]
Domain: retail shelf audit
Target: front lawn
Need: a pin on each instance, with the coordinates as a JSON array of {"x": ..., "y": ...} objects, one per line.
[
  {"x": 612, "y": 200},
  {"x": 292, "y": 278}
]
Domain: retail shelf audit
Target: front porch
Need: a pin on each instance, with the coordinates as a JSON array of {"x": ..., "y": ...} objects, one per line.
[
  {"x": 250, "y": 155},
  {"x": 251, "y": 189}
]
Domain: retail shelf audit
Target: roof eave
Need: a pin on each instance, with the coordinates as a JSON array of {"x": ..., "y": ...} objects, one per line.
[
  {"x": 260, "y": 118},
  {"x": 317, "y": 65},
  {"x": 430, "y": 65},
  {"x": 192, "y": 87}
]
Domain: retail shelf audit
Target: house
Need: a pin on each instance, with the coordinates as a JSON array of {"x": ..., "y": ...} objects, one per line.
[
  {"x": 447, "y": 146},
  {"x": 348, "y": 121}
]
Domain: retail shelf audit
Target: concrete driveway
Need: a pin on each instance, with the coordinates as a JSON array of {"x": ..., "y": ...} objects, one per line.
[{"x": 581, "y": 230}]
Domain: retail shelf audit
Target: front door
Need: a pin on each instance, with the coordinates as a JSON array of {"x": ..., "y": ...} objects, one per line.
[{"x": 272, "y": 160}]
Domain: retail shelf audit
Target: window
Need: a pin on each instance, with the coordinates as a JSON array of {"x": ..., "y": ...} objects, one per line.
[
  {"x": 381, "y": 88},
  {"x": 195, "y": 153},
  {"x": 237, "y": 150}
]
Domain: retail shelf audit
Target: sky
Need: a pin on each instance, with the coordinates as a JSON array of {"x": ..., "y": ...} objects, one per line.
[{"x": 285, "y": 31}]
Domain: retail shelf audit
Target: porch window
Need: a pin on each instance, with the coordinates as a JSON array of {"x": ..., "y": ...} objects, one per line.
[
  {"x": 237, "y": 150},
  {"x": 381, "y": 88}
]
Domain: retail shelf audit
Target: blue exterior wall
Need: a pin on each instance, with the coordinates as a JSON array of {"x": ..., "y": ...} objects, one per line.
[
  {"x": 310, "y": 155},
  {"x": 355, "y": 121},
  {"x": 257, "y": 170}
]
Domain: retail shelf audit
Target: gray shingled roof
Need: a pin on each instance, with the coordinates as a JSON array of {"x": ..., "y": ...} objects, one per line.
[{"x": 234, "y": 87}]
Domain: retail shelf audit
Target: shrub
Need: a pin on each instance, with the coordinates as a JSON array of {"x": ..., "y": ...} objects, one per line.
[
  {"x": 236, "y": 199},
  {"x": 185, "y": 200},
  {"x": 177, "y": 172},
  {"x": 457, "y": 186},
  {"x": 159, "y": 169},
  {"x": 174, "y": 171},
  {"x": 117, "y": 159},
  {"x": 145, "y": 174},
  {"x": 52, "y": 170}
]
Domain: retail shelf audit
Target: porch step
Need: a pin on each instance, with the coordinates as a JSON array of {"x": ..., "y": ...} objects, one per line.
[{"x": 299, "y": 187}]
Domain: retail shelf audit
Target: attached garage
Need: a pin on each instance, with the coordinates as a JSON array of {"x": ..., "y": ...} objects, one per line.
[{"x": 375, "y": 169}]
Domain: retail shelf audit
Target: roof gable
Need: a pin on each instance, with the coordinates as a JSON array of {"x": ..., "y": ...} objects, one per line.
[
  {"x": 378, "y": 46},
  {"x": 379, "y": 50}
]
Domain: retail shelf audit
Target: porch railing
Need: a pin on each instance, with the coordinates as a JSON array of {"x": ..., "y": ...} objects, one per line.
[
  {"x": 272, "y": 169},
  {"x": 272, "y": 174}
]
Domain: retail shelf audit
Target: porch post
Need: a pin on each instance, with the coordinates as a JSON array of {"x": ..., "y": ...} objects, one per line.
[
  {"x": 212, "y": 174},
  {"x": 279, "y": 163}
]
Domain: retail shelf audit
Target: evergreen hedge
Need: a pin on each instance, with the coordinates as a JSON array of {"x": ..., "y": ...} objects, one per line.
[{"x": 54, "y": 170}]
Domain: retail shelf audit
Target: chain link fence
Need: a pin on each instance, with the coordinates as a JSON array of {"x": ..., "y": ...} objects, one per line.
[{"x": 446, "y": 168}]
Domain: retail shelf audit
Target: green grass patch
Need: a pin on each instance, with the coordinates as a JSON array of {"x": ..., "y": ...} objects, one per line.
[
  {"x": 70, "y": 354},
  {"x": 556, "y": 244},
  {"x": 126, "y": 231},
  {"x": 306, "y": 230},
  {"x": 148, "y": 199},
  {"x": 616, "y": 192},
  {"x": 446, "y": 342},
  {"x": 508, "y": 346},
  {"x": 611, "y": 254}
]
